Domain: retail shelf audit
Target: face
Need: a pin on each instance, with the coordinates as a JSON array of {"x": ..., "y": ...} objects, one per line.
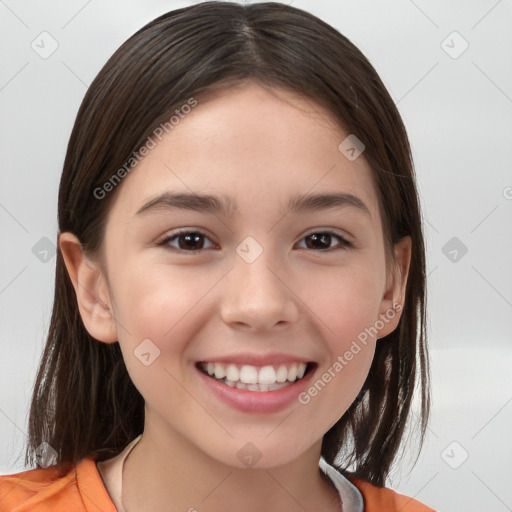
[{"x": 252, "y": 325}]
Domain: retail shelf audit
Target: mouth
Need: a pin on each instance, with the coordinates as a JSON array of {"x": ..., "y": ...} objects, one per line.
[{"x": 256, "y": 378}]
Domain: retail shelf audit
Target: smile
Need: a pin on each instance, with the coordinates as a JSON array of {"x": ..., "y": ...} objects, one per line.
[{"x": 256, "y": 378}]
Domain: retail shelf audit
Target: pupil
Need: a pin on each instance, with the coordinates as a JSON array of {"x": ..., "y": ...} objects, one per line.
[
  {"x": 324, "y": 238},
  {"x": 191, "y": 240}
]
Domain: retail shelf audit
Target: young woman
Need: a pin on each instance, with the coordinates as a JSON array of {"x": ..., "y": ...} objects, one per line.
[{"x": 239, "y": 313}]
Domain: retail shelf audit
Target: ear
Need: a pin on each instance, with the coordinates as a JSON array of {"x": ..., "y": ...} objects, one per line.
[
  {"x": 91, "y": 290},
  {"x": 394, "y": 296}
]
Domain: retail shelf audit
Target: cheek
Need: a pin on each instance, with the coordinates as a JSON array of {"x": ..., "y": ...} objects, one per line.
[
  {"x": 336, "y": 386},
  {"x": 345, "y": 302},
  {"x": 161, "y": 304},
  {"x": 157, "y": 314},
  {"x": 346, "y": 306}
]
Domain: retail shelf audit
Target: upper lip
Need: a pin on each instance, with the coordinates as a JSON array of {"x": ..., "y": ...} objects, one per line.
[{"x": 256, "y": 359}]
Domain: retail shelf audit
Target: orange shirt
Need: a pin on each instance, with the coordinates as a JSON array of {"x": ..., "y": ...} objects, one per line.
[{"x": 83, "y": 490}]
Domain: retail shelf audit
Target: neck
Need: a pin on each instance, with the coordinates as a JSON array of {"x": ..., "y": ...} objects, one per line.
[{"x": 167, "y": 471}]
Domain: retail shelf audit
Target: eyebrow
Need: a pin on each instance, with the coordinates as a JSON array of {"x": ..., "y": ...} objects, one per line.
[{"x": 227, "y": 206}]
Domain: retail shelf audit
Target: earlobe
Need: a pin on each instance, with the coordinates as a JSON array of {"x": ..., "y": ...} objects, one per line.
[
  {"x": 394, "y": 298},
  {"x": 91, "y": 290}
]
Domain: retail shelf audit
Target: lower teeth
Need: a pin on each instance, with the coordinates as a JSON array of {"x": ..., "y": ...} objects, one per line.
[{"x": 255, "y": 387}]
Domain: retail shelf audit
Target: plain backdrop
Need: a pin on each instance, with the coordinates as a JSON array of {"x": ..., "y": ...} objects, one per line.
[{"x": 448, "y": 67}]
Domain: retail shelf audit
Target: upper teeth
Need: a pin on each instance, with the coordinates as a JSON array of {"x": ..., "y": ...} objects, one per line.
[{"x": 249, "y": 374}]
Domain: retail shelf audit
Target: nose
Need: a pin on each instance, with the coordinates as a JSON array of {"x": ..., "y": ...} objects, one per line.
[{"x": 259, "y": 296}]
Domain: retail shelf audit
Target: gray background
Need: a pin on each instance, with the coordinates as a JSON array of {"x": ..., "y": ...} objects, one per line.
[{"x": 457, "y": 107}]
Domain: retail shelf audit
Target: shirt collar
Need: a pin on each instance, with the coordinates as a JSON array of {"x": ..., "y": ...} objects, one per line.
[{"x": 350, "y": 495}]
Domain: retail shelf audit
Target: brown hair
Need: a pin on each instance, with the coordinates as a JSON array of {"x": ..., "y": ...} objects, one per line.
[{"x": 84, "y": 403}]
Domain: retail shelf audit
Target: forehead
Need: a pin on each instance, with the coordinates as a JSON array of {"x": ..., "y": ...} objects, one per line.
[{"x": 253, "y": 146}]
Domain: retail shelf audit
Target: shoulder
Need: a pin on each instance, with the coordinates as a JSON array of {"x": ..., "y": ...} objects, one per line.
[
  {"x": 80, "y": 489},
  {"x": 383, "y": 499}
]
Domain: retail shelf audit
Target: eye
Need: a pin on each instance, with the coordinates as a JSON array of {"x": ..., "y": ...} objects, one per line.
[
  {"x": 188, "y": 241},
  {"x": 193, "y": 241},
  {"x": 322, "y": 240}
]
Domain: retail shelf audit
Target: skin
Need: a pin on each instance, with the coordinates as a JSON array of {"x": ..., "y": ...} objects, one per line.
[{"x": 258, "y": 146}]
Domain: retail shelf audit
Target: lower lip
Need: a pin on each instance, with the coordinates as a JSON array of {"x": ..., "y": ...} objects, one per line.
[{"x": 256, "y": 401}]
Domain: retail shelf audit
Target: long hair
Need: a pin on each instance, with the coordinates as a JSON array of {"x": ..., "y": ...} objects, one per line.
[{"x": 84, "y": 403}]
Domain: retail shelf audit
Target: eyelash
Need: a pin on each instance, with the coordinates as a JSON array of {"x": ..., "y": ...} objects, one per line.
[{"x": 345, "y": 244}]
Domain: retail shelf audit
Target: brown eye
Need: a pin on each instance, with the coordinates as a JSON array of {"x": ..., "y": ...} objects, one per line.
[
  {"x": 187, "y": 241},
  {"x": 323, "y": 240}
]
